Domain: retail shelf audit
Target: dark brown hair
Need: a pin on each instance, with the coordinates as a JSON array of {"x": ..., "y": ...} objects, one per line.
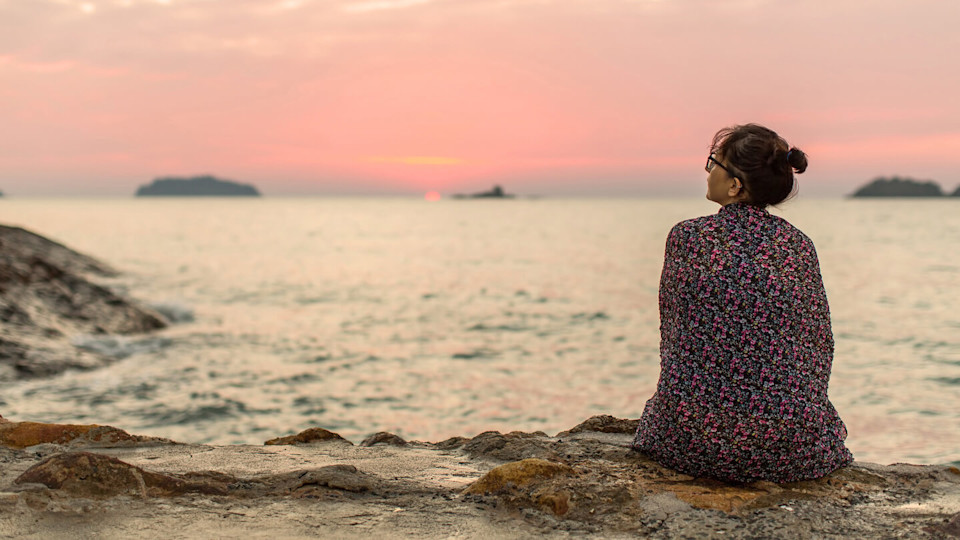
[{"x": 762, "y": 160}]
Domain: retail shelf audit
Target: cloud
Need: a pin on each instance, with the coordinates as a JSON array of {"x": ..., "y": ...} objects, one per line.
[
  {"x": 418, "y": 160},
  {"x": 36, "y": 67},
  {"x": 380, "y": 5}
]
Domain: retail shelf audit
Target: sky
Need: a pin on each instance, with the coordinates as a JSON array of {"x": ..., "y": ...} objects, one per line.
[{"x": 397, "y": 97}]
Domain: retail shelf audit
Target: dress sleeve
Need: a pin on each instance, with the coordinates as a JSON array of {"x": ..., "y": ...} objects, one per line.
[
  {"x": 670, "y": 280},
  {"x": 815, "y": 298}
]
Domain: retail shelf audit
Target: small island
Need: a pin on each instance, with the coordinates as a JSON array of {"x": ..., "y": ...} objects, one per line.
[
  {"x": 900, "y": 187},
  {"x": 197, "y": 186},
  {"x": 495, "y": 193}
]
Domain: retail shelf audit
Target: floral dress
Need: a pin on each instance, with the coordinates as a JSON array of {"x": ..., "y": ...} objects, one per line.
[{"x": 745, "y": 354}]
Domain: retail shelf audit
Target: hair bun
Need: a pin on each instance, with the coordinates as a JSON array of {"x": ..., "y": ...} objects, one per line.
[{"x": 797, "y": 160}]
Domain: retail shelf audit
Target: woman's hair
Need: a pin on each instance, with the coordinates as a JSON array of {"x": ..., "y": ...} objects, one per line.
[{"x": 763, "y": 161}]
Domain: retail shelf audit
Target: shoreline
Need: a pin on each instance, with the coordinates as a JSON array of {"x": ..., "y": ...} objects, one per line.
[{"x": 60, "y": 481}]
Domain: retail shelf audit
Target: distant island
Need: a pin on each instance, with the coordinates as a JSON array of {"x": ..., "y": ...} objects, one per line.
[
  {"x": 901, "y": 187},
  {"x": 495, "y": 193},
  {"x": 197, "y": 186}
]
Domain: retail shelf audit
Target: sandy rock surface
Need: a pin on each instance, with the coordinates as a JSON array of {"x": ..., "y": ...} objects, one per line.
[{"x": 515, "y": 485}]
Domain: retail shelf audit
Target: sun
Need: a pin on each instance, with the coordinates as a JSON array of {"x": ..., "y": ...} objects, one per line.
[{"x": 432, "y": 196}]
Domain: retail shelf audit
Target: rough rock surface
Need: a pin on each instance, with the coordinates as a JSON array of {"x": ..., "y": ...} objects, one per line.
[
  {"x": 24, "y": 434},
  {"x": 94, "y": 475},
  {"x": 515, "y": 485},
  {"x": 384, "y": 437},
  {"x": 47, "y": 299},
  {"x": 309, "y": 436}
]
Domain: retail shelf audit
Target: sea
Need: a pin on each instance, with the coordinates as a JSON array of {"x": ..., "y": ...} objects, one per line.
[{"x": 433, "y": 319}]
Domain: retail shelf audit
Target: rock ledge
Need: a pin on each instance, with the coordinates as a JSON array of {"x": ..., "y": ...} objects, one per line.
[{"x": 515, "y": 485}]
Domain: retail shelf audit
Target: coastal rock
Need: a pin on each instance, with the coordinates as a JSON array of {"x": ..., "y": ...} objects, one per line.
[
  {"x": 899, "y": 187},
  {"x": 513, "y": 446},
  {"x": 384, "y": 437},
  {"x": 604, "y": 424},
  {"x": 309, "y": 436},
  {"x": 23, "y": 245},
  {"x": 950, "y": 530},
  {"x": 25, "y": 434},
  {"x": 196, "y": 186},
  {"x": 592, "y": 485},
  {"x": 46, "y": 300},
  {"x": 519, "y": 484},
  {"x": 314, "y": 483},
  {"x": 494, "y": 193},
  {"x": 93, "y": 475}
]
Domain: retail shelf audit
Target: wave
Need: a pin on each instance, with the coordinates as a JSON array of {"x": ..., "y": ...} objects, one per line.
[
  {"x": 120, "y": 346},
  {"x": 173, "y": 312}
]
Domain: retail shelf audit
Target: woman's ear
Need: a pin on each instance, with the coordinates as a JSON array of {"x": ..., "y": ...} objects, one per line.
[{"x": 735, "y": 188}]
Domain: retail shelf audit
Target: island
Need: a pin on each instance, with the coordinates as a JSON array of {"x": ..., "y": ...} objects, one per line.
[
  {"x": 495, "y": 193},
  {"x": 197, "y": 186},
  {"x": 899, "y": 187},
  {"x": 956, "y": 192}
]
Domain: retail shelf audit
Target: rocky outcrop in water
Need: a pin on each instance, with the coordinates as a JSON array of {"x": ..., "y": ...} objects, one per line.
[
  {"x": 47, "y": 299},
  {"x": 494, "y": 193},
  {"x": 197, "y": 186},
  {"x": 899, "y": 187},
  {"x": 582, "y": 482}
]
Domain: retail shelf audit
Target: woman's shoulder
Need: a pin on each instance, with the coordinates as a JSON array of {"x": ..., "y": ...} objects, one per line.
[
  {"x": 696, "y": 224},
  {"x": 693, "y": 227},
  {"x": 786, "y": 229}
]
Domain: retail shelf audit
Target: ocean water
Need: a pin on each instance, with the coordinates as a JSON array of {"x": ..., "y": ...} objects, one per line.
[{"x": 436, "y": 319}]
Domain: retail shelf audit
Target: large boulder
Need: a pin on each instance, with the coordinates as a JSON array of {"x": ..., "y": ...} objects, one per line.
[
  {"x": 47, "y": 299},
  {"x": 18, "y": 435},
  {"x": 94, "y": 475},
  {"x": 309, "y": 436}
]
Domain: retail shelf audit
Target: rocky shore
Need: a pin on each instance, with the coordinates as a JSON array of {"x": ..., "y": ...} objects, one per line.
[
  {"x": 97, "y": 481},
  {"x": 48, "y": 300},
  {"x": 91, "y": 481}
]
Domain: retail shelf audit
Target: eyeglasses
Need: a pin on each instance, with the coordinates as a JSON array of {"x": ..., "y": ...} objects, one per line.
[{"x": 713, "y": 162}]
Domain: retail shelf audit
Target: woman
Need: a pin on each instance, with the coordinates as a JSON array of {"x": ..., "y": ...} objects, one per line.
[{"x": 745, "y": 339}]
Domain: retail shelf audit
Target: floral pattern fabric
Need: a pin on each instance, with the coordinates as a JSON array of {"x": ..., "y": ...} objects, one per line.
[{"x": 746, "y": 350}]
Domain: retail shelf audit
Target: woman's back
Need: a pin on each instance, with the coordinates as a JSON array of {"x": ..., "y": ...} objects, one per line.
[{"x": 746, "y": 349}]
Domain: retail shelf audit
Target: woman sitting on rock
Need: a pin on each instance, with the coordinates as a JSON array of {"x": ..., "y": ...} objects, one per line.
[{"x": 745, "y": 340}]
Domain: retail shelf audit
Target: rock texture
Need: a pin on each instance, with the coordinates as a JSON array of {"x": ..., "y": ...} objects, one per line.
[
  {"x": 584, "y": 482},
  {"x": 47, "y": 299},
  {"x": 93, "y": 475},
  {"x": 197, "y": 186},
  {"x": 383, "y": 437},
  {"x": 308, "y": 436},
  {"x": 19, "y": 435}
]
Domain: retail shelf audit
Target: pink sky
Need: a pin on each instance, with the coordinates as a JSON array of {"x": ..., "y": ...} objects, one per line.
[{"x": 555, "y": 97}]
